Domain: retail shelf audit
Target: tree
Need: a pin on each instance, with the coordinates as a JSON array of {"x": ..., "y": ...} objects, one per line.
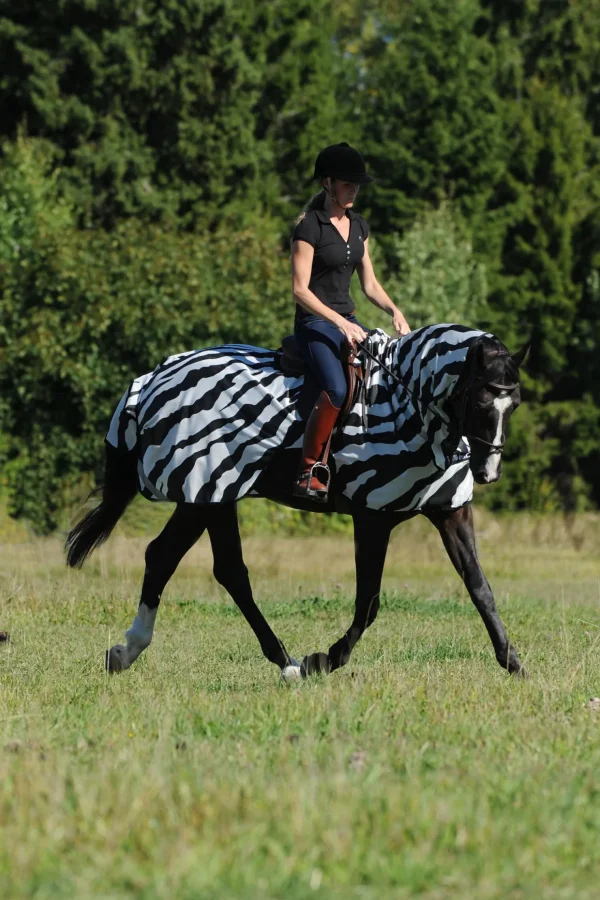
[
  {"x": 431, "y": 120},
  {"x": 541, "y": 254},
  {"x": 173, "y": 111}
]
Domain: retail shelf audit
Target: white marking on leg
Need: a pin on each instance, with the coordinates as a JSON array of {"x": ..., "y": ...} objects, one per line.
[
  {"x": 140, "y": 634},
  {"x": 291, "y": 674},
  {"x": 492, "y": 463}
]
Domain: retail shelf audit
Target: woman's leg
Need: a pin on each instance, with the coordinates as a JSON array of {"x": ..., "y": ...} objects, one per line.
[{"x": 320, "y": 343}]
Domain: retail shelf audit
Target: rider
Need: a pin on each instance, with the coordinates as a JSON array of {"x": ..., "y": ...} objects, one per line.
[{"x": 329, "y": 242}]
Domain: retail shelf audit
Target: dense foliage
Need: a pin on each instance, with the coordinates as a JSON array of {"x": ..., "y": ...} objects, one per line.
[{"x": 154, "y": 157}]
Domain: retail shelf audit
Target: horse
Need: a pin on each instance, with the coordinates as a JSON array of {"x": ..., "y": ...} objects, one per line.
[{"x": 209, "y": 427}]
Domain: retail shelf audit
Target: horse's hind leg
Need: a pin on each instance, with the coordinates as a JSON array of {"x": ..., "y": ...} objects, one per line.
[
  {"x": 456, "y": 531},
  {"x": 163, "y": 555},
  {"x": 231, "y": 572}
]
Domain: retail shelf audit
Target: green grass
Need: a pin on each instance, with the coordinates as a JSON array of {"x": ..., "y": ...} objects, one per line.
[{"x": 419, "y": 770}]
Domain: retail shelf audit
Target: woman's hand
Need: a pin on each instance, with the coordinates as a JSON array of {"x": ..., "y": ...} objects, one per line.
[
  {"x": 401, "y": 326},
  {"x": 351, "y": 331}
]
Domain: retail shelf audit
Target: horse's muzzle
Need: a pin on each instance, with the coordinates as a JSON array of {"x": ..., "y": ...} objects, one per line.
[{"x": 483, "y": 474}]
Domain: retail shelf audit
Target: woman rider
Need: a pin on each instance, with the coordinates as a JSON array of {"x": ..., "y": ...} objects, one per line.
[{"x": 329, "y": 242}]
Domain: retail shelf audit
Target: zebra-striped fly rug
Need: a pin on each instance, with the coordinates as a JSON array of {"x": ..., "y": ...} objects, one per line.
[{"x": 205, "y": 424}]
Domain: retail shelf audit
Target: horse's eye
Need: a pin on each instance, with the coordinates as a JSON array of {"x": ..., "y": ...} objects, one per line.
[{"x": 485, "y": 399}]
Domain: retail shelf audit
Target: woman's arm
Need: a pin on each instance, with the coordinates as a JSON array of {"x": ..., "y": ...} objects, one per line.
[
  {"x": 376, "y": 294},
  {"x": 302, "y": 259}
]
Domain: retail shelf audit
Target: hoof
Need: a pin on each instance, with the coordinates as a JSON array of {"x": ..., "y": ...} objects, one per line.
[
  {"x": 4, "y": 637},
  {"x": 315, "y": 663},
  {"x": 292, "y": 673},
  {"x": 521, "y": 672},
  {"x": 116, "y": 659},
  {"x": 511, "y": 663}
]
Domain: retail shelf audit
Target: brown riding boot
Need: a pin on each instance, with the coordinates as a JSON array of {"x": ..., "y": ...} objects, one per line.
[{"x": 316, "y": 438}]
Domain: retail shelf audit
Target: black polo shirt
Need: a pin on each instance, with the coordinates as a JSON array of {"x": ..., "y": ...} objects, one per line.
[{"x": 335, "y": 259}]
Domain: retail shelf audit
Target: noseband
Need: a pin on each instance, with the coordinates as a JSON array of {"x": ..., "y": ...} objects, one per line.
[{"x": 494, "y": 448}]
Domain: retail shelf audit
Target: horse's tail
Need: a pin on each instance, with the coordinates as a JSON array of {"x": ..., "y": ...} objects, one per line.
[{"x": 119, "y": 488}]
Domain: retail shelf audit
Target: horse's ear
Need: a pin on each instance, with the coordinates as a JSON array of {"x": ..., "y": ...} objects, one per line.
[{"x": 520, "y": 357}]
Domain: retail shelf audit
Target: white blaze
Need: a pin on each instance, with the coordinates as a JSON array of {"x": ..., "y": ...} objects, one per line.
[{"x": 492, "y": 463}]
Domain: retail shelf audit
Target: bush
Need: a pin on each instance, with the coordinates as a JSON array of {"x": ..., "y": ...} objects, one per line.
[
  {"x": 435, "y": 276},
  {"x": 84, "y": 312}
]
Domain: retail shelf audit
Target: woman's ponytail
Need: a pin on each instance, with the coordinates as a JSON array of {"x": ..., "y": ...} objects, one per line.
[{"x": 316, "y": 202}]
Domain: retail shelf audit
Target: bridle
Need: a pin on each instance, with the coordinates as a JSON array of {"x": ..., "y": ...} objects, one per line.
[
  {"x": 466, "y": 396},
  {"x": 465, "y": 391}
]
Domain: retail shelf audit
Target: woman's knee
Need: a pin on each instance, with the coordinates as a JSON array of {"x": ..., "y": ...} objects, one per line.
[
  {"x": 330, "y": 374},
  {"x": 337, "y": 393}
]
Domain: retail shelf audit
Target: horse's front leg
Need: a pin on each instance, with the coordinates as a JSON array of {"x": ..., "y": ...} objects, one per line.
[
  {"x": 163, "y": 555},
  {"x": 371, "y": 538},
  {"x": 457, "y": 533},
  {"x": 230, "y": 571}
]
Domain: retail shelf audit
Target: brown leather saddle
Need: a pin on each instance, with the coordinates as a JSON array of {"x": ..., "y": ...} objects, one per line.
[{"x": 289, "y": 359}]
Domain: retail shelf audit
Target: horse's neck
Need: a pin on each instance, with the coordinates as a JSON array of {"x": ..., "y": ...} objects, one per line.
[{"x": 430, "y": 378}]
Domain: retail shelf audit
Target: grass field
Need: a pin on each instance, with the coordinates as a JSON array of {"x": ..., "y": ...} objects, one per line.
[{"x": 419, "y": 770}]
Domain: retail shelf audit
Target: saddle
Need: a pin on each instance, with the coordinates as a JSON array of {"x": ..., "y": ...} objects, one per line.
[{"x": 290, "y": 361}]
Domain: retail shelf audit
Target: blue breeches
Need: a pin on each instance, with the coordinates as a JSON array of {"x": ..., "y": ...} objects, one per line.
[{"x": 320, "y": 344}]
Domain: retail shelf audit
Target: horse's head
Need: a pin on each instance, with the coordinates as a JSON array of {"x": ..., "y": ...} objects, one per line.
[{"x": 484, "y": 401}]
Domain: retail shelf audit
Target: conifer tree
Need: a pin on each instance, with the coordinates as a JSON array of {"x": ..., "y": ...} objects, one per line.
[
  {"x": 170, "y": 109},
  {"x": 432, "y": 121}
]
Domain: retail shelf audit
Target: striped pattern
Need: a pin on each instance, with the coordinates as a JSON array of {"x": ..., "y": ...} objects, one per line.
[{"x": 206, "y": 423}]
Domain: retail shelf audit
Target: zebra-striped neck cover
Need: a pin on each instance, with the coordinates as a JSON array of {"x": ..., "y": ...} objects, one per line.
[
  {"x": 206, "y": 423},
  {"x": 401, "y": 461}
]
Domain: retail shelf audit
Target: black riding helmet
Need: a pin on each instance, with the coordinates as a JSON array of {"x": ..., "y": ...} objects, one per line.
[{"x": 343, "y": 162}]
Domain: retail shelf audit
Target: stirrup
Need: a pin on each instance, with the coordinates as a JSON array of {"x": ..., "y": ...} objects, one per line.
[{"x": 308, "y": 492}]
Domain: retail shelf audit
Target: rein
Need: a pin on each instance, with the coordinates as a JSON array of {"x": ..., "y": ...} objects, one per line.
[
  {"x": 379, "y": 363},
  {"x": 389, "y": 372}
]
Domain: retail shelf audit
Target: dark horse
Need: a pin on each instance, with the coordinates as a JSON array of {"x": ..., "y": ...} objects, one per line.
[{"x": 479, "y": 406}]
